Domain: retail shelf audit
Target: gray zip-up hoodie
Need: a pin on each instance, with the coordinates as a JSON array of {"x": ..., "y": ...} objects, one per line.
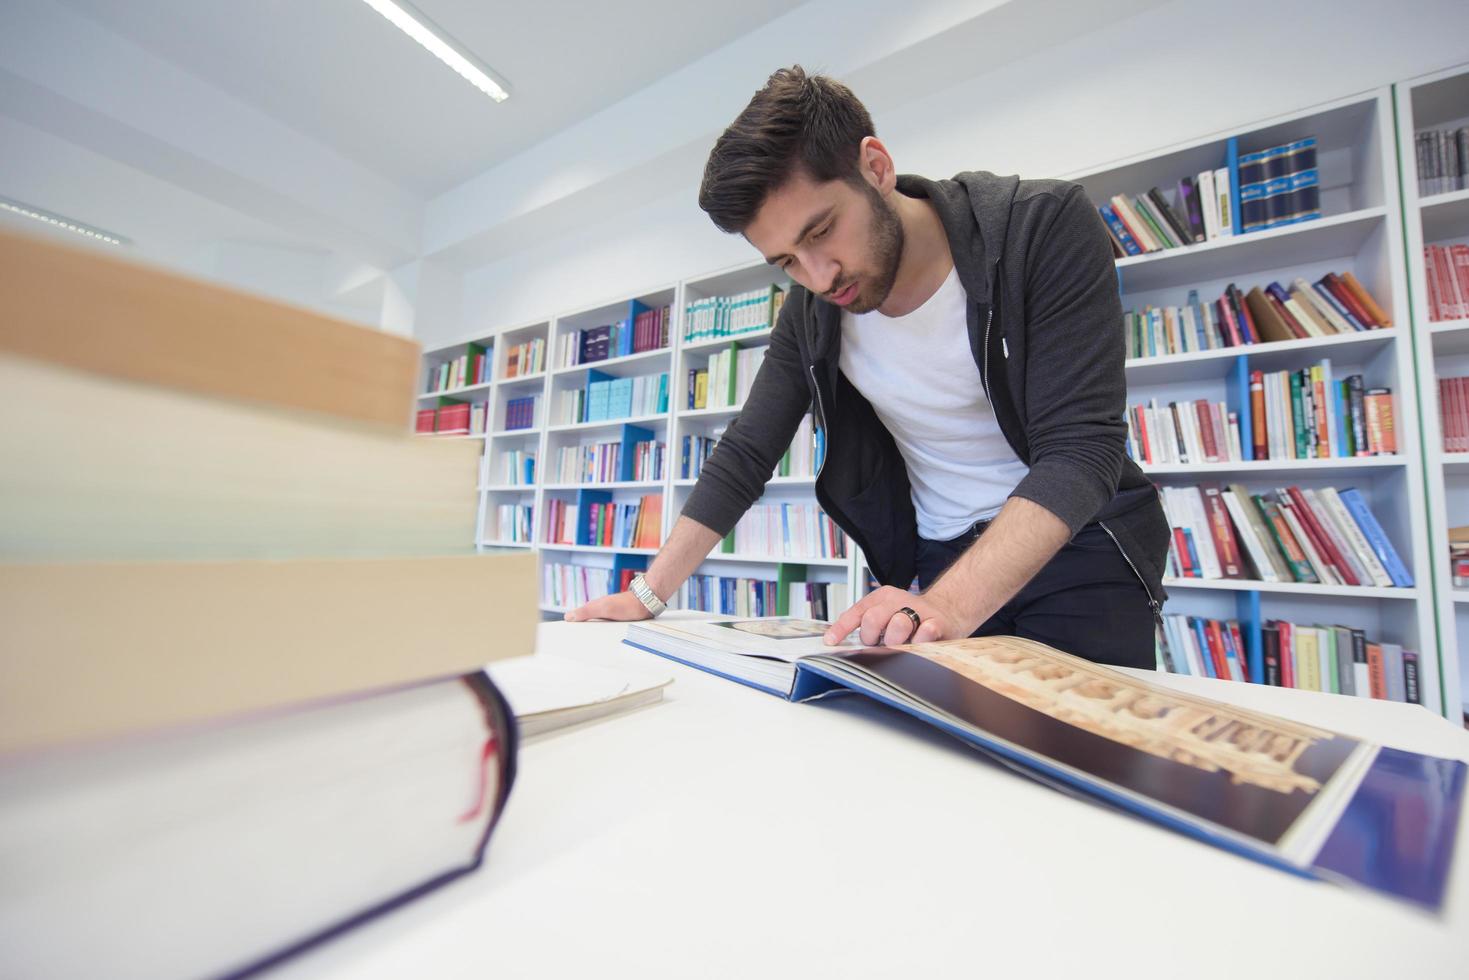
[{"x": 1045, "y": 329}]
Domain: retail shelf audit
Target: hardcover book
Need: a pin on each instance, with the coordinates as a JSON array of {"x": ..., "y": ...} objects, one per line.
[{"x": 1290, "y": 795}]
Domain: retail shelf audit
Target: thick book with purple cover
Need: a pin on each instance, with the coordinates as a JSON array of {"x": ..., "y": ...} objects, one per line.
[{"x": 1293, "y": 796}]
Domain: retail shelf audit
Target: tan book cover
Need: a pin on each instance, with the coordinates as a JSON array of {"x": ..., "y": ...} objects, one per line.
[
  {"x": 97, "y": 650},
  {"x": 111, "y": 316},
  {"x": 99, "y": 469},
  {"x": 1365, "y": 298},
  {"x": 1267, "y": 318}
]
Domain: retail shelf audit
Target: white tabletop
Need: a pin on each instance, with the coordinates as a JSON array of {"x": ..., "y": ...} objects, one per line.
[{"x": 727, "y": 833}]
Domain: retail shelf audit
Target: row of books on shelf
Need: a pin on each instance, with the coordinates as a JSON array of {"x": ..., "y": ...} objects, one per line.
[
  {"x": 1269, "y": 188},
  {"x": 606, "y": 524},
  {"x": 646, "y": 331},
  {"x": 566, "y": 585},
  {"x": 1459, "y": 555},
  {"x": 1334, "y": 659},
  {"x": 1334, "y": 304},
  {"x": 1324, "y": 536},
  {"x": 602, "y": 463},
  {"x": 526, "y": 358},
  {"x": 1302, "y": 414},
  {"x": 786, "y": 530},
  {"x": 1453, "y": 410},
  {"x": 520, "y": 413},
  {"x": 1447, "y": 270},
  {"x": 615, "y": 398},
  {"x": 726, "y": 381},
  {"x": 514, "y": 522},
  {"x": 745, "y": 597},
  {"x": 457, "y": 419},
  {"x": 803, "y": 459},
  {"x": 470, "y": 368},
  {"x": 731, "y": 316},
  {"x": 518, "y": 467},
  {"x": 1442, "y": 159}
]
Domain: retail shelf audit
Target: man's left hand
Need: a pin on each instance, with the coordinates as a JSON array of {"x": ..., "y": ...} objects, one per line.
[{"x": 878, "y": 620}]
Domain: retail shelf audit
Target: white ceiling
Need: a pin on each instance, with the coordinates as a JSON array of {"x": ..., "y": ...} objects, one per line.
[{"x": 338, "y": 72}]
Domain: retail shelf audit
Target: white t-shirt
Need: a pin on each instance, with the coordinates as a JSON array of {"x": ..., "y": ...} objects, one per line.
[{"x": 919, "y": 374}]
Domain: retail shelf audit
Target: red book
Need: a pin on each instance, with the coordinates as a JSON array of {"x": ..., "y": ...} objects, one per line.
[
  {"x": 1258, "y": 437},
  {"x": 1287, "y": 654},
  {"x": 1376, "y": 672},
  {"x": 1205, "y": 414},
  {"x": 1231, "y": 326},
  {"x": 1142, "y": 428},
  {"x": 1180, "y": 549},
  {"x": 1459, "y": 261},
  {"x": 1283, "y": 311},
  {"x": 1222, "y": 531},
  {"x": 1349, "y": 300},
  {"x": 1216, "y": 648},
  {"x": 1320, "y": 540}
]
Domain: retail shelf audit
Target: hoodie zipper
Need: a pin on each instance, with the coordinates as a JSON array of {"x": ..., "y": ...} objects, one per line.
[
  {"x": 984, "y": 374},
  {"x": 1152, "y": 602}
]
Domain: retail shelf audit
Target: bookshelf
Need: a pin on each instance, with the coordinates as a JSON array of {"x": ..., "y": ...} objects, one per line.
[
  {"x": 1435, "y": 102},
  {"x": 1360, "y": 230}
]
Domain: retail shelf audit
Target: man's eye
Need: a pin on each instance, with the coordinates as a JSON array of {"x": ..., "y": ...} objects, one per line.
[{"x": 821, "y": 234}]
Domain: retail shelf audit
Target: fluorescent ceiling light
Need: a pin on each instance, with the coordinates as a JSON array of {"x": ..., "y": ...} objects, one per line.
[
  {"x": 59, "y": 221},
  {"x": 411, "y": 21}
]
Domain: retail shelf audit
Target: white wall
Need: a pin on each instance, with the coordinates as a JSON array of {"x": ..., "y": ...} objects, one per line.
[{"x": 1175, "y": 72}]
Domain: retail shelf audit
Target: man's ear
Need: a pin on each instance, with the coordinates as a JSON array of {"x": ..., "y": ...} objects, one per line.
[{"x": 876, "y": 164}]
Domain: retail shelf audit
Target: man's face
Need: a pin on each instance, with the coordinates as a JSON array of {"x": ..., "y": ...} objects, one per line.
[{"x": 839, "y": 241}]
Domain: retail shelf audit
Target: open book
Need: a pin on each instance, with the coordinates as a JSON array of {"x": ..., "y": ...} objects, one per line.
[{"x": 1291, "y": 795}]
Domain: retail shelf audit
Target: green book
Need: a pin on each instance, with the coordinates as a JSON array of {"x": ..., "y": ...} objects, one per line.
[
  {"x": 1297, "y": 414},
  {"x": 1295, "y": 559}
]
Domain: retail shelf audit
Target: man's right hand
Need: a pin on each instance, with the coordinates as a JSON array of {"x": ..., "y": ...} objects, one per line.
[{"x": 622, "y": 606}]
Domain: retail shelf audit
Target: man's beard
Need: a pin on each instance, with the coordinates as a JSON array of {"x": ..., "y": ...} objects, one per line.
[{"x": 886, "y": 232}]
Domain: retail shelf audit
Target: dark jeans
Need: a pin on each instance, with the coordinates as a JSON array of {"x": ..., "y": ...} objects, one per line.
[{"x": 1087, "y": 600}]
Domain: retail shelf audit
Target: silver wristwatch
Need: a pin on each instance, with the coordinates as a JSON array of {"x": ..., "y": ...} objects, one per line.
[{"x": 639, "y": 588}]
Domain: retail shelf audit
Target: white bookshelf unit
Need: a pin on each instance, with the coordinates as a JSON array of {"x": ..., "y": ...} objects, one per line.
[
  {"x": 1434, "y": 102},
  {"x": 1360, "y": 231}
]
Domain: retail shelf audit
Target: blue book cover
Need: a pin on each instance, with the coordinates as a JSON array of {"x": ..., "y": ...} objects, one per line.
[
  {"x": 662, "y": 393},
  {"x": 597, "y": 393},
  {"x": 1381, "y": 546},
  {"x": 1129, "y": 244},
  {"x": 1336, "y": 304},
  {"x": 1202, "y": 636},
  {"x": 1231, "y": 162},
  {"x": 1317, "y": 804},
  {"x": 619, "y": 399}
]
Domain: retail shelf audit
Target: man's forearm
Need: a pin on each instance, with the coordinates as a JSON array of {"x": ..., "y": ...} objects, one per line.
[
  {"x": 688, "y": 544},
  {"x": 1017, "y": 545}
]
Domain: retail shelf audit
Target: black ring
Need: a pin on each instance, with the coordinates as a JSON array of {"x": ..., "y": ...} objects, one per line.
[{"x": 914, "y": 617}]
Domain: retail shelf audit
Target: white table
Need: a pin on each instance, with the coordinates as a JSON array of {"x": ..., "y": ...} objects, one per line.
[{"x": 727, "y": 833}]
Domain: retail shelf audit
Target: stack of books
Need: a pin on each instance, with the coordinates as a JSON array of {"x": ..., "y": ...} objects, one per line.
[
  {"x": 616, "y": 398},
  {"x": 470, "y": 368},
  {"x": 1334, "y": 659},
  {"x": 520, "y": 468},
  {"x": 526, "y": 358},
  {"x": 1334, "y": 304},
  {"x": 515, "y": 522},
  {"x": 1304, "y": 414},
  {"x": 647, "y": 331},
  {"x": 727, "y": 380},
  {"x": 732, "y": 316},
  {"x": 729, "y": 595},
  {"x": 1321, "y": 536},
  {"x": 695, "y": 449},
  {"x": 520, "y": 413},
  {"x": 452, "y": 419},
  {"x": 566, "y": 586},
  {"x": 786, "y": 530},
  {"x": 1447, "y": 268},
  {"x": 1443, "y": 160},
  {"x": 216, "y": 563}
]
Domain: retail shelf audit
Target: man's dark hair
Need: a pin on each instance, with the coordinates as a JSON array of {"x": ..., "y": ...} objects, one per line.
[{"x": 796, "y": 121}]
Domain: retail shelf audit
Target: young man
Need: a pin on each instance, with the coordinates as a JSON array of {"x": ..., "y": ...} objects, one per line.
[{"x": 960, "y": 342}]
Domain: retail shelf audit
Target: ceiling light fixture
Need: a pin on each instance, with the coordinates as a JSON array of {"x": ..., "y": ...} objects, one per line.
[
  {"x": 60, "y": 221},
  {"x": 411, "y": 21}
]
